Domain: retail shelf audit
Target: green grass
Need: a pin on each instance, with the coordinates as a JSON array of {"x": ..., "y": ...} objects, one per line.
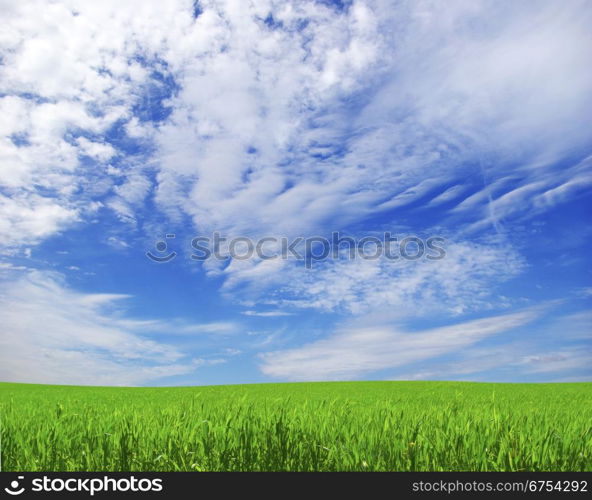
[{"x": 357, "y": 426}]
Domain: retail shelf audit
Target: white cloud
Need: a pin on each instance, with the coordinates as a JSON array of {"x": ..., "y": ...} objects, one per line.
[
  {"x": 447, "y": 195},
  {"x": 52, "y": 334},
  {"x": 219, "y": 327},
  {"x": 116, "y": 242},
  {"x": 275, "y": 79},
  {"x": 559, "y": 361},
  {"x": 70, "y": 72},
  {"x": 537, "y": 193},
  {"x": 556, "y": 350},
  {"x": 351, "y": 353},
  {"x": 500, "y": 74},
  {"x": 96, "y": 150},
  {"x": 509, "y": 362},
  {"x": 28, "y": 217},
  {"x": 267, "y": 314},
  {"x": 457, "y": 284}
]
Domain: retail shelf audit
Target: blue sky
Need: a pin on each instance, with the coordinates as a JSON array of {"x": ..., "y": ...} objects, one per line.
[{"x": 123, "y": 123}]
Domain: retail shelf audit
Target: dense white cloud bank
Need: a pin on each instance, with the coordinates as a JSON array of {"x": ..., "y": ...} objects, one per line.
[{"x": 287, "y": 116}]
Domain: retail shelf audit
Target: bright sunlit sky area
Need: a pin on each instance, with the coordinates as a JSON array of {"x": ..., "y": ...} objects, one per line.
[{"x": 125, "y": 122}]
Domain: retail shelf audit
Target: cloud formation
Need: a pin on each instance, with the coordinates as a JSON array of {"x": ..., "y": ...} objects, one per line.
[
  {"x": 52, "y": 334},
  {"x": 352, "y": 353},
  {"x": 334, "y": 115}
]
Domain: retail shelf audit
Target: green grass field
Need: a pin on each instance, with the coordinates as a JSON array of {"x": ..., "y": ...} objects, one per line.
[{"x": 357, "y": 426}]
